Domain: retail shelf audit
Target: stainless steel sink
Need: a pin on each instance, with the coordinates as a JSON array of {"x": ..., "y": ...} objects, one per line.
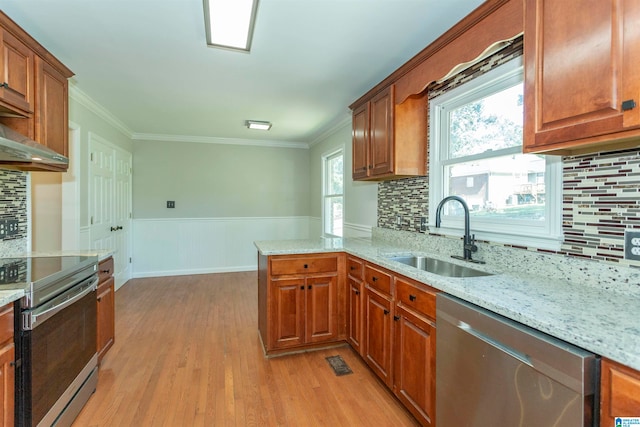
[{"x": 436, "y": 266}]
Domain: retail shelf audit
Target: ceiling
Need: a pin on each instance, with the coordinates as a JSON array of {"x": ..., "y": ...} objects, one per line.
[{"x": 147, "y": 63}]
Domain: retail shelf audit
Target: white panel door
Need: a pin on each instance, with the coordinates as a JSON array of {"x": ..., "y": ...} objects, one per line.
[
  {"x": 101, "y": 194},
  {"x": 122, "y": 207}
]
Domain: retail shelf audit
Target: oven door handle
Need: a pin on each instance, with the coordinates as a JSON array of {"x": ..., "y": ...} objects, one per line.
[{"x": 32, "y": 319}]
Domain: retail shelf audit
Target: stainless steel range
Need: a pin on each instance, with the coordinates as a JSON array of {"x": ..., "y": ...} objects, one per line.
[{"x": 55, "y": 336}]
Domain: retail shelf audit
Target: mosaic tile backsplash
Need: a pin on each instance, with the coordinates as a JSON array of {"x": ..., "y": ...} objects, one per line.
[{"x": 13, "y": 205}]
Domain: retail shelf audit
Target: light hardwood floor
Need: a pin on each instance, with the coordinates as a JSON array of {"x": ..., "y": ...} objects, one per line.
[{"x": 187, "y": 353}]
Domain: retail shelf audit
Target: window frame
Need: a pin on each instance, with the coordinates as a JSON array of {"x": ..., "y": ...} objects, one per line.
[
  {"x": 326, "y": 195},
  {"x": 545, "y": 234}
]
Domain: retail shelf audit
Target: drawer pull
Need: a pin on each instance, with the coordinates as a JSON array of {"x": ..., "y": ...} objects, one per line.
[
  {"x": 105, "y": 271},
  {"x": 396, "y": 318},
  {"x": 374, "y": 278},
  {"x": 306, "y": 266},
  {"x": 352, "y": 268},
  {"x": 309, "y": 287},
  {"x": 412, "y": 297}
]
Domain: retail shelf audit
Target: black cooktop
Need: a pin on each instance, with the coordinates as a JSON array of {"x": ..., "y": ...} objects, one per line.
[{"x": 24, "y": 271}]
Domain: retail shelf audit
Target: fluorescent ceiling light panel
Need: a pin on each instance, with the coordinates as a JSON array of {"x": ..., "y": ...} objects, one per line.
[
  {"x": 229, "y": 23},
  {"x": 254, "y": 124}
]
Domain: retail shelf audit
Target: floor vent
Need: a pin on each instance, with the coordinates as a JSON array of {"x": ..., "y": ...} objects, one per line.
[{"x": 339, "y": 366}]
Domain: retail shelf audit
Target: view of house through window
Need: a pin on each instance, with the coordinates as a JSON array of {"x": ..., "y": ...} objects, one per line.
[
  {"x": 476, "y": 153},
  {"x": 333, "y": 194}
]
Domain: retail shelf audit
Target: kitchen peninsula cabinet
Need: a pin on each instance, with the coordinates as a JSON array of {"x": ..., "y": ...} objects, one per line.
[
  {"x": 301, "y": 301},
  {"x": 106, "y": 307},
  {"x": 620, "y": 392},
  {"x": 582, "y": 92},
  {"x": 7, "y": 369},
  {"x": 34, "y": 96},
  {"x": 389, "y": 140}
]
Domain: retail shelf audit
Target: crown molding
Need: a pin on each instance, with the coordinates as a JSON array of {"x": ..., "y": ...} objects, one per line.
[
  {"x": 85, "y": 100},
  {"x": 217, "y": 140},
  {"x": 335, "y": 127}
]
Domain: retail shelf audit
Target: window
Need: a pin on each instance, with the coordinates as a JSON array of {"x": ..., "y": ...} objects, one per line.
[
  {"x": 476, "y": 153},
  {"x": 333, "y": 198}
]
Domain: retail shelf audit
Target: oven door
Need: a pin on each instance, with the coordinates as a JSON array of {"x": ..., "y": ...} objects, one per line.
[{"x": 58, "y": 352}]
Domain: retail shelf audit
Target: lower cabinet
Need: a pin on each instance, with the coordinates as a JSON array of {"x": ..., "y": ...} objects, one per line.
[
  {"x": 378, "y": 330},
  {"x": 7, "y": 369},
  {"x": 619, "y": 392},
  {"x": 302, "y": 301},
  {"x": 106, "y": 308}
]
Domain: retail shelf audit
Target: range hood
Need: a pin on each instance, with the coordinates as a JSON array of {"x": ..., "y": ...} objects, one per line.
[{"x": 19, "y": 152}]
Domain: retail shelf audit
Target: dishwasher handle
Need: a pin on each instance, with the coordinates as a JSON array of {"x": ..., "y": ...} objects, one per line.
[{"x": 499, "y": 346}]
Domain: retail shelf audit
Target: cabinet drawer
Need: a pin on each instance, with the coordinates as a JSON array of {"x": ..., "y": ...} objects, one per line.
[
  {"x": 378, "y": 279},
  {"x": 6, "y": 323},
  {"x": 354, "y": 267},
  {"x": 421, "y": 300},
  {"x": 105, "y": 269},
  {"x": 303, "y": 265}
]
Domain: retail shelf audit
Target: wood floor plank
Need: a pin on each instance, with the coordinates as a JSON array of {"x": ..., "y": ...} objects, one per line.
[{"x": 187, "y": 353}]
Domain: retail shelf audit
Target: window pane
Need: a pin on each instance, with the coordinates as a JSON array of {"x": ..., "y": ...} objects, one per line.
[
  {"x": 489, "y": 123},
  {"x": 335, "y": 175},
  {"x": 507, "y": 187},
  {"x": 333, "y": 215}
]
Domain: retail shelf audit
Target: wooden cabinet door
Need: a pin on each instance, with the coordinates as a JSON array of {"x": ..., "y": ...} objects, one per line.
[
  {"x": 52, "y": 123},
  {"x": 321, "y": 314},
  {"x": 360, "y": 142},
  {"x": 381, "y": 143},
  {"x": 7, "y": 382},
  {"x": 577, "y": 74},
  {"x": 16, "y": 73},
  {"x": 414, "y": 364},
  {"x": 377, "y": 341},
  {"x": 106, "y": 317},
  {"x": 286, "y": 313},
  {"x": 620, "y": 392},
  {"x": 355, "y": 314}
]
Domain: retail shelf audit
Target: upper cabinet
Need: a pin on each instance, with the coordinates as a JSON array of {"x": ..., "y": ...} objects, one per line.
[
  {"x": 16, "y": 81},
  {"x": 389, "y": 140},
  {"x": 34, "y": 91},
  {"x": 582, "y": 80}
]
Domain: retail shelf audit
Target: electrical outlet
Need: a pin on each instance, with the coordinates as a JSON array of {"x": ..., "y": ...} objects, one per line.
[
  {"x": 632, "y": 245},
  {"x": 423, "y": 224},
  {"x": 11, "y": 227},
  {"x": 398, "y": 219},
  {"x": 171, "y": 204}
]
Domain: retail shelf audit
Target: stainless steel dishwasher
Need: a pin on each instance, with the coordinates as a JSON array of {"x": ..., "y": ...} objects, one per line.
[{"x": 492, "y": 371}]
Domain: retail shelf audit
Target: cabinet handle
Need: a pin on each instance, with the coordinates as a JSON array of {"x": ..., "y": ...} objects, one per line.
[
  {"x": 629, "y": 104},
  {"x": 309, "y": 287},
  {"x": 5, "y": 84},
  {"x": 306, "y": 266},
  {"x": 357, "y": 292},
  {"x": 412, "y": 297},
  {"x": 374, "y": 278},
  {"x": 352, "y": 268},
  {"x": 396, "y": 318},
  {"x": 104, "y": 271},
  {"x": 99, "y": 299},
  {"x": 386, "y": 312},
  {"x": 302, "y": 288}
]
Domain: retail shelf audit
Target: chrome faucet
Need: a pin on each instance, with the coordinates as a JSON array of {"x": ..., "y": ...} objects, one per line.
[{"x": 469, "y": 242}]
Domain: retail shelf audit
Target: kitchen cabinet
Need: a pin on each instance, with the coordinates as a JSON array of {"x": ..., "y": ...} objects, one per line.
[
  {"x": 301, "y": 301},
  {"x": 620, "y": 392},
  {"x": 389, "y": 140},
  {"x": 7, "y": 369},
  {"x": 34, "y": 98},
  {"x": 582, "y": 92},
  {"x": 378, "y": 323},
  {"x": 415, "y": 349},
  {"x": 106, "y": 308},
  {"x": 16, "y": 75},
  {"x": 355, "y": 272}
]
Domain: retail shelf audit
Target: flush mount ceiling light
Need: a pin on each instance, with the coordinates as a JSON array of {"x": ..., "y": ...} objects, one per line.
[
  {"x": 229, "y": 23},
  {"x": 254, "y": 124}
]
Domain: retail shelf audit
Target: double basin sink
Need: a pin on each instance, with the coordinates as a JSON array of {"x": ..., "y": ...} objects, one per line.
[{"x": 439, "y": 267}]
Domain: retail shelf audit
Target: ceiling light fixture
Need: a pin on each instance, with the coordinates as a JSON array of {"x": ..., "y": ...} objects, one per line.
[
  {"x": 229, "y": 23},
  {"x": 254, "y": 124}
]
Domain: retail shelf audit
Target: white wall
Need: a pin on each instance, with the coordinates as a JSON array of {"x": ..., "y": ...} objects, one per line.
[{"x": 361, "y": 198}]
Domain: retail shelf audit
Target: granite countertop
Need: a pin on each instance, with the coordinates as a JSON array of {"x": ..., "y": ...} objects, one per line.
[
  {"x": 9, "y": 296},
  {"x": 595, "y": 317}
]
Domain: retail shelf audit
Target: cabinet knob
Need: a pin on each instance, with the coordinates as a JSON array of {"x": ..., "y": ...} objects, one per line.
[
  {"x": 105, "y": 271},
  {"x": 386, "y": 312},
  {"x": 396, "y": 318},
  {"x": 306, "y": 266},
  {"x": 357, "y": 292},
  {"x": 629, "y": 104},
  {"x": 309, "y": 287},
  {"x": 412, "y": 297},
  {"x": 374, "y": 278},
  {"x": 302, "y": 288},
  {"x": 352, "y": 268}
]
